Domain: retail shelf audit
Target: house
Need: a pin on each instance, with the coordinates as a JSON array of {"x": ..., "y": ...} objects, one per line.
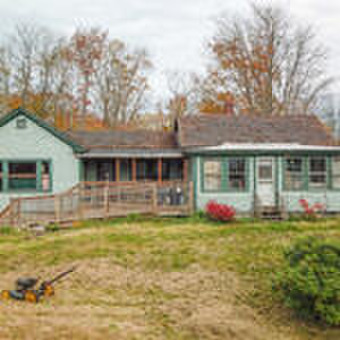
[
  {"x": 259, "y": 162},
  {"x": 251, "y": 163}
]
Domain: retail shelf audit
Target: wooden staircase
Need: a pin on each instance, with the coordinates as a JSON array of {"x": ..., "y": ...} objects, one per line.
[
  {"x": 271, "y": 213},
  {"x": 274, "y": 213}
]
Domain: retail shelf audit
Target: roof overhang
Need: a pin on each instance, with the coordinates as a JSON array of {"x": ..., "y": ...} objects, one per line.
[
  {"x": 131, "y": 153},
  {"x": 263, "y": 148}
]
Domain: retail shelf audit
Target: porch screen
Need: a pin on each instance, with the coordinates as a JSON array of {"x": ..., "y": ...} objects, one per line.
[
  {"x": 212, "y": 173},
  {"x": 147, "y": 170},
  {"x": 336, "y": 172},
  {"x": 22, "y": 176},
  {"x": 237, "y": 173},
  {"x": 125, "y": 170},
  {"x": 317, "y": 172},
  {"x": 293, "y": 173}
]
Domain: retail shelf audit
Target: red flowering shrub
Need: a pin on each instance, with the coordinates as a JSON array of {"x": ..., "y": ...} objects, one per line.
[
  {"x": 220, "y": 212},
  {"x": 311, "y": 211}
]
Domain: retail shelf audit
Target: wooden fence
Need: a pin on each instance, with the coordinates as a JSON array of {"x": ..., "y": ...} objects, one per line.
[{"x": 90, "y": 200}]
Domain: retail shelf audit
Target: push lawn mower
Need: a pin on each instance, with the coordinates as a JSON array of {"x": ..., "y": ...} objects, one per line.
[{"x": 25, "y": 288}]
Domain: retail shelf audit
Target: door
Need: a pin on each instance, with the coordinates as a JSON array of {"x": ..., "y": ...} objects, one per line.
[{"x": 265, "y": 183}]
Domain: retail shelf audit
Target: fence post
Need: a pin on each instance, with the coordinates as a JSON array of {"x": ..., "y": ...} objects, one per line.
[
  {"x": 80, "y": 201},
  {"x": 191, "y": 198},
  {"x": 19, "y": 212},
  {"x": 57, "y": 208},
  {"x": 106, "y": 199},
  {"x": 155, "y": 199}
]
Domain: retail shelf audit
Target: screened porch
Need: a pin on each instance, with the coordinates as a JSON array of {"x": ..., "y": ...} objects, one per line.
[{"x": 127, "y": 170}]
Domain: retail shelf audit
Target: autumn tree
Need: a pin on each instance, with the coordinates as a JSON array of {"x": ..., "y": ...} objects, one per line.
[
  {"x": 85, "y": 52},
  {"x": 85, "y": 80},
  {"x": 270, "y": 64}
]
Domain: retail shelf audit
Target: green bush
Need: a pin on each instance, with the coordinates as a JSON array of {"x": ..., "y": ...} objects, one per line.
[{"x": 310, "y": 281}]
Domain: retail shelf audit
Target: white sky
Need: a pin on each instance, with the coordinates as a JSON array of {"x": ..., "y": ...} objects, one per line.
[{"x": 174, "y": 32}]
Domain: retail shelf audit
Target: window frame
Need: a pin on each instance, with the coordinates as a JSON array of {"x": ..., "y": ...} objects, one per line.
[
  {"x": 39, "y": 185},
  {"x": 224, "y": 187},
  {"x": 309, "y": 174},
  {"x": 331, "y": 173},
  {"x": 304, "y": 173},
  {"x": 209, "y": 159},
  {"x": 246, "y": 174}
]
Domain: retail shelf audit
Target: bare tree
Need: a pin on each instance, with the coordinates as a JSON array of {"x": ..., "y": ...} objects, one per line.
[
  {"x": 121, "y": 83},
  {"x": 184, "y": 93},
  {"x": 271, "y": 64}
]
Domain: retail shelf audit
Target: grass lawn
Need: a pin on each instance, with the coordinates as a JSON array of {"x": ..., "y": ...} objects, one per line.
[{"x": 158, "y": 279}]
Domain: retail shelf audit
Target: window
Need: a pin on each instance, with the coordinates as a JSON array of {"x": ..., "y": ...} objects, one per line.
[
  {"x": 147, "y": 170},
  {"x": 45, "y": 176},
  {"x": 125, "y": 170},
  {"x": 21, "y": 123},
  {"x": 105, "y": 171},
  {"x": 237, "y": 174},
  {"x": 22, "y": 176},
  {"x": 212, "y": 172},
  {"x": 317, "y": 172},
  {"x": 336, "y": 172},
  {"x": 293, "y": 173},
  {"x": 172, "y": 169}
]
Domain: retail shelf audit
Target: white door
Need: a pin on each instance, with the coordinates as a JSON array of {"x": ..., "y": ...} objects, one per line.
[{"x": 265, "y": 184}]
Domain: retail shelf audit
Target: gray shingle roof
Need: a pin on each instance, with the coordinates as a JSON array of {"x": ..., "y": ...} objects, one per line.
[
  {"x": 213, "y": 130},
  {"x": 124, "y": 139}
]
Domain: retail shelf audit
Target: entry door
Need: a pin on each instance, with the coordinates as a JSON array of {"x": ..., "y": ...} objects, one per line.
[{"x": 265, "y": 186}]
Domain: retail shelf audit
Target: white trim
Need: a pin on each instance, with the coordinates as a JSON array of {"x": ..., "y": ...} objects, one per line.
[{"x": 268, "y": 147}]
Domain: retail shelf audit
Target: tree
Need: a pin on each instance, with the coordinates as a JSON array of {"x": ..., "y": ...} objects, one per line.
[
  {"x": 121, "y": 83},
  {"x": 269, "y": 63},
  {"x": 184, "y": 89}
]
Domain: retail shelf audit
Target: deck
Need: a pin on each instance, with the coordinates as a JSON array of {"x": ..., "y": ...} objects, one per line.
[{"x": 101, "y": 200}]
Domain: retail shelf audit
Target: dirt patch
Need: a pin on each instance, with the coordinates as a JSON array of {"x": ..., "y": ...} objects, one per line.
[{"x": 105, "y": 301}]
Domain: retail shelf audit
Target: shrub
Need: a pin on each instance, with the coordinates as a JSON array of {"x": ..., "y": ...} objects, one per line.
[
  {"x": 311, "y": 211},
  {"x": 310, "y": 282},
  {"x": 220, "y": 212}
]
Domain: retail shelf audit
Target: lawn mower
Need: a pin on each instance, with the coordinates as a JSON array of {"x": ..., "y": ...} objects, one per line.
[{"x": 25, "y": 288}]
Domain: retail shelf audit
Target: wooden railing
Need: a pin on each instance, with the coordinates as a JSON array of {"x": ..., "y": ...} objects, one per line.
[{"x": 89, "y": 200}]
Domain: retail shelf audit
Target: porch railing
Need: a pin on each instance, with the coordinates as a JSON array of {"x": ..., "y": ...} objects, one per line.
[{"x": 89, "y": 200}]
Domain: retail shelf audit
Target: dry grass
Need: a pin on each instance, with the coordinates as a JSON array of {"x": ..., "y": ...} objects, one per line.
[{"x": 153, "y": 281}]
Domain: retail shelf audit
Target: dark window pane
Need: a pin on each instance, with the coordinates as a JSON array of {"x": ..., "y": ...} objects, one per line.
[
  {"x": 125, "y": 170},
  {"x": 147, "y": 169},
  {"x": 172, "y": 169},
  {"x": 22, "y": 176}
]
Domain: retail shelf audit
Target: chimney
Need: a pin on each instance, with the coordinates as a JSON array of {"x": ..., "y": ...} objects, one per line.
[
  {"x": 228, "y": 103},
  {"x": 229, "y": 107}
]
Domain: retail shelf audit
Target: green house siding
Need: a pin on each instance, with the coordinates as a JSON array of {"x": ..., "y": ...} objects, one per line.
[
  {"x": 329, "y": 197},
  {"x": 37, "y": 144},
  {"x": 243, "y": 202}
]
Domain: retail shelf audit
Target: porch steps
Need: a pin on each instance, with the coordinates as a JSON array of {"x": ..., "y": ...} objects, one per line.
[{"x": 271, "y": 213}]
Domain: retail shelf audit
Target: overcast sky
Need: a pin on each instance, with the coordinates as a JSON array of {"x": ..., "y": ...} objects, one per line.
[{"x": 174, "y": 31}]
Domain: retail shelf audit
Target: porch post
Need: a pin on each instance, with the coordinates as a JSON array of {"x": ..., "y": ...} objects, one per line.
[
  {"x": 117, "y": 163},
  {"x": 185, "y": 170},
  {"x": 159, "y": 172},
  {"x": 134, "y": 170}
]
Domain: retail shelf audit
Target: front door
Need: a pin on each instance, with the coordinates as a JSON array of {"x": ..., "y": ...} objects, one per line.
[{"x": 265, "y": 181}]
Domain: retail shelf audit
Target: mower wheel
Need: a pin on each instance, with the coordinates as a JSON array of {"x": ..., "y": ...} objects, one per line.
[
  {"x": 5, "y": 295},
  {"x": 31, "y": 296},
  {"x": 48, "y": 291}
]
